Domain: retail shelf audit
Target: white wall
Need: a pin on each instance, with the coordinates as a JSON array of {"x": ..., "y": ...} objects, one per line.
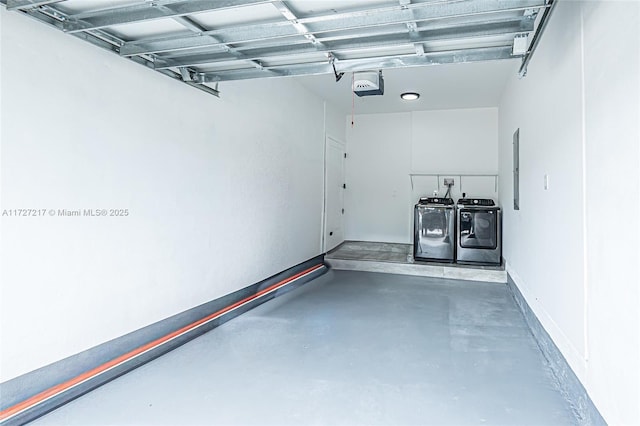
[
  {"x": 221, "y": 192},
  {"x": 455, "y": 141},
  {"x": 334, "y": 122},
  {"x": 384, "y": 149},
  {"x": 571, "y": 249},
  {"x": 376, "y": 170}
]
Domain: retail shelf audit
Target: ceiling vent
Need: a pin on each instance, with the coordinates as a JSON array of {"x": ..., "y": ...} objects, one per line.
[{"x": 368, "y": 83}]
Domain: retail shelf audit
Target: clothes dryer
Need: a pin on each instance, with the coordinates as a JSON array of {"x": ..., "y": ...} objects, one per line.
[{"x": 479, "y": 232}]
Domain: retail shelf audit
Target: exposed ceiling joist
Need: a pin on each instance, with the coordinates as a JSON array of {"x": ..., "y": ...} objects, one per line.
[
  {"x": 412, "y": 26},
  {"x": 106, "y": 41},
  {"x": 148, "y": 11},
  {"x": 226, "y": 40},
  {"x": 195, "y": 27},
  {"x": 480, "y": 30},
  {"x": 295, "y": 22},
  {"x": 353, "y": 65},
  {"x": 353, "y": 21},
  {"x": 28, "y": 4}
]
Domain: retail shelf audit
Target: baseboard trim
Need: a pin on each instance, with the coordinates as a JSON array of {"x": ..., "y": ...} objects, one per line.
[
  {"x": 570, "y": 386},
  {"x": 34, "y": 394}
]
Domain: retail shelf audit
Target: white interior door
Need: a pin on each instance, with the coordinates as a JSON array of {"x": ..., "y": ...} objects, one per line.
[{"x": 334, "y": 193}]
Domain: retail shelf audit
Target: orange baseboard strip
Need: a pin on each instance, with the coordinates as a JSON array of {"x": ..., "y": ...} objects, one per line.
[{"x": 41, "y": 397}]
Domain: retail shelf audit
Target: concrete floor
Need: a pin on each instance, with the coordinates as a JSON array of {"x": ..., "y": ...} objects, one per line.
[{"x": 350, "y": 348}]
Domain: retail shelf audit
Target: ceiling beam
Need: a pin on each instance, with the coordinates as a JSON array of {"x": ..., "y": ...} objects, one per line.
[
  {"x": 411, "y": 26},
  {"x": 229, "y": 50},
  {"x": 294, "y": 20},
  {"x": 99, "y": 38},
  {"x": 351, "y": 21},
  {"x": 28, "y": 4},
  {"x": 303, "y": 29},
  {"x": 487, "y": 29},
  {"x": 353, "y": 65},
  {"x": 417, "y": 33},
  {"x": 147, "y": 11},
  {"x": 389, "y": 32},
  {"x": 425, "y": 12},
  {"x": 536, "y": 38}
]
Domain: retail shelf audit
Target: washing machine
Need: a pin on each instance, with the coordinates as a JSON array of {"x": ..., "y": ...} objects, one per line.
[
  {"x": 479, "y": 232},
  {"x": 434, "y": 230}
]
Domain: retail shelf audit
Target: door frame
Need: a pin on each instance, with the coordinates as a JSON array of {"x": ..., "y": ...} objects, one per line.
[{"x": 327, "y": 140}]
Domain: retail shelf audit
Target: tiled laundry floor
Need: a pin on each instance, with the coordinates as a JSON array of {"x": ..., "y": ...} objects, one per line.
[{"x": 397, "y": 259}]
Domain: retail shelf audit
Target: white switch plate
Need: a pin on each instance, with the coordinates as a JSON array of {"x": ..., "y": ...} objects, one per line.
[{"x": 546, "y": 181}]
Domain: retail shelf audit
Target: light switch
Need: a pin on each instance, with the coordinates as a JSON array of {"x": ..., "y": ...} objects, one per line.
[{"x": 546, "y": 181}]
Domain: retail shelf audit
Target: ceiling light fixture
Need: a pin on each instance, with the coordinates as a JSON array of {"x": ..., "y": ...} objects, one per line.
[{"x": 410, "y": 96}]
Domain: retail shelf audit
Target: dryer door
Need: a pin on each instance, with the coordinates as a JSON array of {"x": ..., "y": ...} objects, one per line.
[
  {"x": 433, "y": 233},
  {"x": 478, "y": 229}
]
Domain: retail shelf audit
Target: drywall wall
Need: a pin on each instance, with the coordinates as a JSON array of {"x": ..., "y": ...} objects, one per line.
[
  {"x": 612, "y": 168},
  {"x": 376, "y": 172},
  {"x": 334, "y": 122},
  {"x": 384, "y": 149},
  {"x": 569, "y": 249},
  {"x": 455, "y": 141},
  {"x": 550, "y": 143},
  {"x": 218, "y": 193}
]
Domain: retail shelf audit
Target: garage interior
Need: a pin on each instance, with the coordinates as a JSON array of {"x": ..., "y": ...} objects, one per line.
[{"x": 216, "y": 228}]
